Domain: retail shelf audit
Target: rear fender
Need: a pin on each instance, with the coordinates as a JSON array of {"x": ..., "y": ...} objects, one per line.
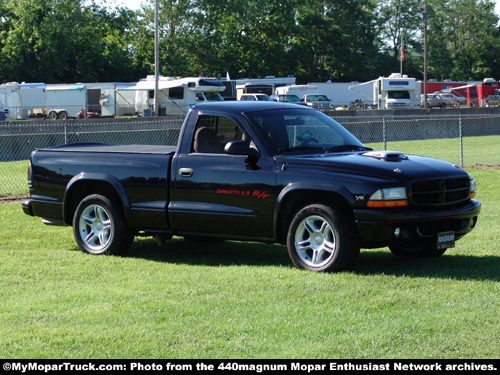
[{"x": 85, "y": 184}]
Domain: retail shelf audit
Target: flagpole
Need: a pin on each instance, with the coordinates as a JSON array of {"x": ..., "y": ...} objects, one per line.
[
  {"x": 402, "y": 57},
  {"x": 157, "y": 62}
]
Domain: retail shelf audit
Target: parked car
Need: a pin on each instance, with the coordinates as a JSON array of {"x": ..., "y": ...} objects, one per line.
[
  {"x": 318, "y": 101},
  {"x": 459, "y": 99},
  {"x": 255, "y": 97},
  {"x": 286, "y": 98},
  {"x": 493, "y": 99},
  {"x": 441, "y": 100}
]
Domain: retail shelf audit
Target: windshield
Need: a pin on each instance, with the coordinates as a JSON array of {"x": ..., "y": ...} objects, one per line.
[
  {"x": 317, "y": 98},
  {"x": 289, "y": 98},
  {"x": 299, "y": 130},
  {"x": 213, "y": 96},
  {"x": 398, "y": 95}
]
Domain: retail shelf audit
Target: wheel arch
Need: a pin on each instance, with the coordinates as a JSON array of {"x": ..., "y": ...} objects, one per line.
[
  {"x": 293, "y": 198},
  {"x": 86, "y": 184}
]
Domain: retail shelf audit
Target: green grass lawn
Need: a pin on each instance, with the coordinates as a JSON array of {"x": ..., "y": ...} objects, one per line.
[
  {"x": 476, "y": 150},
  {"x": 245, "y": 300},
  {"x": 13, "y": 178}
]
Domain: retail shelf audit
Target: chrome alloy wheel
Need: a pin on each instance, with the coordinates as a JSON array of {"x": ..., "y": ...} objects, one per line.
[
  {"x": 315, "y": 241},
  {"x": 95, "y": 228}
]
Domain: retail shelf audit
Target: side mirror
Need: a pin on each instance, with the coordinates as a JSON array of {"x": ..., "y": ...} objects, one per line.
[{"x": 241, "y": 148}]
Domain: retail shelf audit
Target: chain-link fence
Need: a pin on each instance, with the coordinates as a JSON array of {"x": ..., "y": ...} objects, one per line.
[{"x": 463, "y": 140}]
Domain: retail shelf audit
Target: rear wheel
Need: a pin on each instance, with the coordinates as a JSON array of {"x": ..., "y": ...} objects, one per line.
[
  {"x": 322, "y": 238},
  {"x": 63, "y": 115},
  {"x": 99, "y": 226},
  {"x": 53, "y": 115}
]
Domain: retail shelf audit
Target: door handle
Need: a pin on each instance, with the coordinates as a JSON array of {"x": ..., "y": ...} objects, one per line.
[{"x": 186, "y": 172}]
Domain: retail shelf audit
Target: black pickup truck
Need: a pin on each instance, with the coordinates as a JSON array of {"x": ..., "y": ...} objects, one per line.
[{"x": 257, "y": 171}]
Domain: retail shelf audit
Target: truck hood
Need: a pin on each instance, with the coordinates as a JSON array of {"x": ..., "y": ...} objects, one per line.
[{"x": 387, "y": 165}]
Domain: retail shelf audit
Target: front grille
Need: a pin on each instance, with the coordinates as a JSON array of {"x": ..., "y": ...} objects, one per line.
[{"x": 439, "y": 191}]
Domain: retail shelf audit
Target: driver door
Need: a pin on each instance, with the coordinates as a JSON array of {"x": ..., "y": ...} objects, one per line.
[{"x": 221, "y": 194}]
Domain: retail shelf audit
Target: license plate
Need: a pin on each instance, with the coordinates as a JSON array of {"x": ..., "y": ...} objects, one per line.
[{"x": 445, "y": 240}]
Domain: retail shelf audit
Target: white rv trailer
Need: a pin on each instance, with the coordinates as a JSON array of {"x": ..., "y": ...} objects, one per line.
[
  {"x": 65, "y": 100},
  {"x": 393, "y": 92},
  {"x": 175, "y": 95},
  {"x": 10, "y": 95},
  {"x": 23, "y": 100}
]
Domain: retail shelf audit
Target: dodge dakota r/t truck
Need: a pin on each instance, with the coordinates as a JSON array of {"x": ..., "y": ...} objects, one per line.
[{"x": 258, "y": 171}]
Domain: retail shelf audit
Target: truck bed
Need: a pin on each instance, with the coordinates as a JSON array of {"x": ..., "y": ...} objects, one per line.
[{"x": 108, "y": 148}]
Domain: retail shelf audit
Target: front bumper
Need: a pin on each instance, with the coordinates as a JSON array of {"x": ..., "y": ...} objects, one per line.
[{"x": 379, "y": 228}]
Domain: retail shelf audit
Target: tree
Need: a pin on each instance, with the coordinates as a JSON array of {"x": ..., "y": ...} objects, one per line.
[
  {"x": 63, "y": 41},
  {"x": 335, "y": 40},
  {"x": 400, "y": 21},
  {"x": 463, "y": 39}
]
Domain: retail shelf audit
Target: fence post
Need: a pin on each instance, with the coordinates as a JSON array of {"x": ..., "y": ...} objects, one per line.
[
  {"x": 383, "y": 133},
  {"x": 65, "y": 134},
  {"x": 461, "y": 141}
]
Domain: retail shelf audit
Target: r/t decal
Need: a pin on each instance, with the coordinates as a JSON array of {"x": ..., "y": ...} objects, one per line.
[{"x": 256, "y": 193}]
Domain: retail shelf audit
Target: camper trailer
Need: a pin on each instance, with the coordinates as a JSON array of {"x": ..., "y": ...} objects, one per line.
[
  {"x": 397, "y": 92},
  {"x": 10, "y": 95},
  {"x": 23, "y": 100},
  {"x": 65, "y": 100},
  {"x": 175, "y": 95}
]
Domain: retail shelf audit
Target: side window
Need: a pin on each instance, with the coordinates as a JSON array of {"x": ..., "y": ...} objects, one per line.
[
  {"x": 212, "y": 133},
  {"x": 176, "y": 93}
]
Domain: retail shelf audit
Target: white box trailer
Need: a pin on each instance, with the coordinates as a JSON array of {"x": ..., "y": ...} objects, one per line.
[
  {"x": 341, "y": 94},
  {"x": 33, "y": 100},
  {"x": 23, "y": 100},
  {"x": 299, "y": 90},
  {"x": 65, "y": 100},
  {"x": 10, "y": 95}
]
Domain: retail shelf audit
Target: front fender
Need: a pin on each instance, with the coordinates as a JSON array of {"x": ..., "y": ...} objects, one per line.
[{"x": 315, "y": 191}]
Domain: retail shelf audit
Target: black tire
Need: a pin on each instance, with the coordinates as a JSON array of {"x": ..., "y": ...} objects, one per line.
[
  {"x": 417, "y": 251},
  {"x": 63, "y": 115},
  {"x": 322, "y": 239},
  {"x": 99, "y": 226},
  {"x": 53, "y": 115}
]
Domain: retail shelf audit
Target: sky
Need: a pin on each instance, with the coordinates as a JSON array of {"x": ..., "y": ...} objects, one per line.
[{"x": 136, "y": 4}]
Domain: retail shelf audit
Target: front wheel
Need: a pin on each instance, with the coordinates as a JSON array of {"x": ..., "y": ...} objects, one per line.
[
  {"x": 323, "y": 239},
  {"x": 99, "y": 226}
]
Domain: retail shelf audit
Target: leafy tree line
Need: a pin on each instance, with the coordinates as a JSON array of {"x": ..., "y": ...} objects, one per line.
[{"x": 315, "y": 40}]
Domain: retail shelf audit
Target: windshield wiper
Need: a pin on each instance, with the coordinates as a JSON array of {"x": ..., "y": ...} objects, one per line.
[
  {"x": 300, "y": 148},
  {"x": 340, "y": 148}
]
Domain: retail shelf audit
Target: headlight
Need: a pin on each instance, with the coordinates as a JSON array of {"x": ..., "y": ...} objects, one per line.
[
  {"x": 390, "y": 197},
  {"x": 473, "y": 187}
]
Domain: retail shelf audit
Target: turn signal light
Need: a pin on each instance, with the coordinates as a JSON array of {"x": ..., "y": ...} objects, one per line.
[{"x": 386, "y": 204}]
